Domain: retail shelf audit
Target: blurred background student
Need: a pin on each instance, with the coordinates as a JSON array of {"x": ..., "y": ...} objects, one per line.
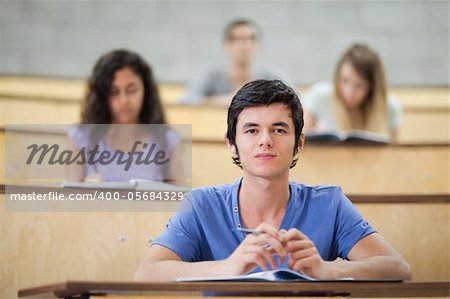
[
  {"x": 122, "y": 93},
  {"x": 357, "y": 99},
  {"x": 218, "y": 85}
]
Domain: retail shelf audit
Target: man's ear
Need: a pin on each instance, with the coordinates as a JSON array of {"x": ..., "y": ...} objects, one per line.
[
  {"x": 301, "y": 142},
  {"x": 231, "y": 147}
]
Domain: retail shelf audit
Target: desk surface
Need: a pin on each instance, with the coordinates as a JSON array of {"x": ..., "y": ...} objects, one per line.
[
  {"x": 344, "y": 288},
  {"x": 74, "y": 90}
]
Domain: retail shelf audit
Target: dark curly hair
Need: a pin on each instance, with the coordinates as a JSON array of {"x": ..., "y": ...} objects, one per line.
[
  {"x": 259, "y": 93},
  {"x": 96, "y": 106}
]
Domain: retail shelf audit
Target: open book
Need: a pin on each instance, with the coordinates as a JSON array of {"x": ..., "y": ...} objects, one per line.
[
  {"x": 272, "y": 275},
  {"x": 353, "y": 136},
  {"x": 135, "y": 184}
]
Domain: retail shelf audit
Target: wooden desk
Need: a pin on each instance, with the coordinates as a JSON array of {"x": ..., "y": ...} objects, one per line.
[
  {"x": 403, "y": 193},
  {"x": 420, "y": 124},
  {"x": 42, "y": 247},
  {"x": 393, "y": 169},
  {"x": 73, "y": 289},
  {"x": 64, "y": 89},
  {"x": 52, "y": 100},
  {"x": 358, "y": 169}
]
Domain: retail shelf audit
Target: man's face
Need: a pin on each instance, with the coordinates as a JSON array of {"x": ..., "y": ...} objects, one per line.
[
  {"x": 265, "y": 139},
  {"x": 242, "y": 43}
]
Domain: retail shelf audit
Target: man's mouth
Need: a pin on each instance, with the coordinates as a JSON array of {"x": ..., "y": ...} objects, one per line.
[{"x": 265, "y": 156}]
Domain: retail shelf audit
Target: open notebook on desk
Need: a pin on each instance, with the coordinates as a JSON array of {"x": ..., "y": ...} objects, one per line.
[
  {"x": 134, "y": 184},
  {"x": 352, "y": 136},
  {"x": 272, "y": 275}
]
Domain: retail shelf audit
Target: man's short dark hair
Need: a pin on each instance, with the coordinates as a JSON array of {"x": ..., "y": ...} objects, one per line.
[
  {"x": 240, "y": 22},
  {"x": 260, "y": 93}
]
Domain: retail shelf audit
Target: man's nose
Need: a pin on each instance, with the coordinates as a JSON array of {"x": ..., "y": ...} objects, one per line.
[{"x": 266, "y": 139}]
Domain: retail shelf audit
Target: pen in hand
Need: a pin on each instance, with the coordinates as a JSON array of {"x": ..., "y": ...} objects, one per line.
[
  {"x": 257, "y": 233},
  {"x": 249, "y": 231}
]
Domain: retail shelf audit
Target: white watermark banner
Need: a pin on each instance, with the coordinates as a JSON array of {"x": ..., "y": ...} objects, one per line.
[{"x": 97, "y": 167}]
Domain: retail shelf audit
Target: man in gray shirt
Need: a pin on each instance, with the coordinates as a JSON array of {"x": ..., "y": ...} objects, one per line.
[{"x": 217, "y": 85}]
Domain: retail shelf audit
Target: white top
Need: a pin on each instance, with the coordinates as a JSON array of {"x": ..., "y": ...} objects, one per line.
[{"x": 317, "y": 103}]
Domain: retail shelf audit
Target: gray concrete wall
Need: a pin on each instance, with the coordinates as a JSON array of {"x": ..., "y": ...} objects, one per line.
[{"x": 301, "y": 39}]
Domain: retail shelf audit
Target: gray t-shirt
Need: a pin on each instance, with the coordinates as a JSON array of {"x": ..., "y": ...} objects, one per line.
[
  {"x": 215, "y": 81},
  {"x": 317, "y": 103}
]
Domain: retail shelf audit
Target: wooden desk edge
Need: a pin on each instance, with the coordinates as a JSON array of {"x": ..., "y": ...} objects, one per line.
[
  {"x": 399, "y": 199},
  {"x": 78, "y": 85},
  {"x": 355, "y": 288}
]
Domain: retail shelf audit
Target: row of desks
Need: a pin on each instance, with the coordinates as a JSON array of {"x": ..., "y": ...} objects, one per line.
[
  {"x": 44, "y": 100},
  {"x": 394, "y": 169},
  {"x": 209, "y": 123},
  {"x": 73, "y": 90},
  {"x": 401, "y": 190},
  {"x": 358, "y": 169},
  {"x": 45, "y": 247}
]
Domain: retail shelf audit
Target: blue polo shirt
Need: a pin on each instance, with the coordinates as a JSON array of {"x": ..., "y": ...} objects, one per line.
[{"x": 205, "y": 230}]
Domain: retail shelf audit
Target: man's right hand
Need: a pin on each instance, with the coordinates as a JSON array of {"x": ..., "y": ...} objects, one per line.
[{"x": 257, "y": 249}]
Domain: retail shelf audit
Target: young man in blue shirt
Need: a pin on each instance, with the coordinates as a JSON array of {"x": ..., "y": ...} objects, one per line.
[{"x": 304, "y": 228}]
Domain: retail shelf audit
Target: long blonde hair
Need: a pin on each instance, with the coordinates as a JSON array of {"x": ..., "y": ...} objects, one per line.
[{"x": 374, "y": 108}]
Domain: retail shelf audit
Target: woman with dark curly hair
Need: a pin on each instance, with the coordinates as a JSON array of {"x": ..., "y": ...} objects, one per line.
[
  {"x": 122, "y": 90},
  {"x": 122, "y": 101}
]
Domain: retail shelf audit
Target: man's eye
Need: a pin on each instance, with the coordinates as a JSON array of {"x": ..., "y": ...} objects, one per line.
[
  {"x": 280, "y": 131},
  {"x": 251, "y": 131}
]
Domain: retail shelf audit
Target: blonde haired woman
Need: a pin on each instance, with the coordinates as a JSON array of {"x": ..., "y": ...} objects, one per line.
[{"x": 357, "y": 99}]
